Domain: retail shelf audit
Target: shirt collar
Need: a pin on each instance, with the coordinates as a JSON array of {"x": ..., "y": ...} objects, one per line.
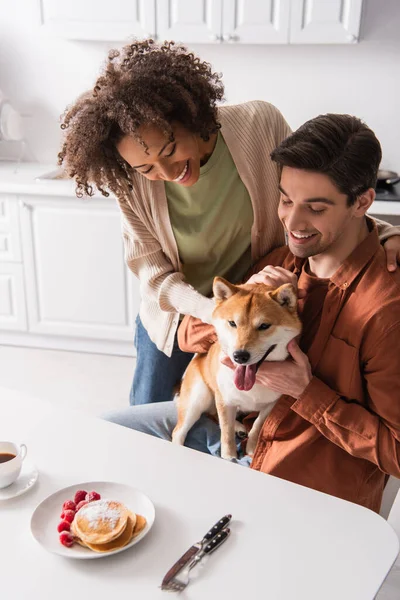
[{"x": 355, "y": 262}]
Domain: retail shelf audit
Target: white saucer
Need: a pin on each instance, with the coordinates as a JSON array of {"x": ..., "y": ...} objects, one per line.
[
  {"x": 27, "y": 479},
  {"x": 46, "y": 516}
]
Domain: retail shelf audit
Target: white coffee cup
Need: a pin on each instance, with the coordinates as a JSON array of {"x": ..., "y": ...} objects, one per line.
[{"x": 10, "y": 470}]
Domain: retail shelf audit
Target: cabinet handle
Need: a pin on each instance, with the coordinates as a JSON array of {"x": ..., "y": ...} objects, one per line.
[
  {"x": 214, "y": 37},
  {"x": 24, "y": 205},
  {"x": 352, "y": 38},
  {"x": 227, "y": 37}
]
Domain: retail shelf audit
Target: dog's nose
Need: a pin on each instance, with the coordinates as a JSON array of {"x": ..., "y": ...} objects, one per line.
[{"x": 241, "y": 356}]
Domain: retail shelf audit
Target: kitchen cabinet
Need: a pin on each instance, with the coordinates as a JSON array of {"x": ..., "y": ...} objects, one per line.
[
  {"x": 12, "y": 298},
  {"x": 63, "y": 279},
  {"x": 216, "y": 21},
  {"x": 198, "y": 21},
  {"x": 99, "y": 19},
  {"x": 12, "y": 290},
  {"x": 10, "y": 242},
  {"x": 256, "y": 21},
  {"x": 76, "y": 280},
  {"x": 207, "y": 21},
  {"x": 325, "y": 21}
]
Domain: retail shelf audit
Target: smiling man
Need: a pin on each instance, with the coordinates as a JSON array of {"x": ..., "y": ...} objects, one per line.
[{"x": 336, "y": 427}]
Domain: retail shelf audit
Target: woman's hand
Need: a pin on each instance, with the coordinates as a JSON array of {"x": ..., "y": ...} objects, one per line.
[
  {"x": 275, "y": 277},
  {"x": 392, "y": 249}
]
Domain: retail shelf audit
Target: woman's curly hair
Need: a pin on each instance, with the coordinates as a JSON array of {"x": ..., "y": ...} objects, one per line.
[{"x": 144, "y": 83}]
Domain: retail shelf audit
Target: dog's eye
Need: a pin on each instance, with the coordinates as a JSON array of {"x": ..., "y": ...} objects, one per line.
[
  {"x": 264, "y": 326},
  {"x": 232, "y": 323}
]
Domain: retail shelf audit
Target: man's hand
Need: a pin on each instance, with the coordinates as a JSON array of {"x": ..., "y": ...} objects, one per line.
[
  {"x": 392, "y": 249},
  {"x": 289, "y": 377},
  {"x": 275, "y": 277}
]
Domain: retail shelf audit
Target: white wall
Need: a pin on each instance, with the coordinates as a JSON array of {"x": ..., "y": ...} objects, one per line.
[{"x": 41, "y": 75}]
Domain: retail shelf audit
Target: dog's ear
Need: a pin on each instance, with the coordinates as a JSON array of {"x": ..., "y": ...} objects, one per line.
[
  {"x": 285, "y": 295},
  {"x": 222, "y": 289}
]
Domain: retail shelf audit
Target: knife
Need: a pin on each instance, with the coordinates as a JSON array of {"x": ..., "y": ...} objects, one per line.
[{"x": 197, "y": 547}]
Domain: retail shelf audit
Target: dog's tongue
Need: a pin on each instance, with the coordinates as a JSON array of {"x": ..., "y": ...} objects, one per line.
[{"x": 245, "y": 377}]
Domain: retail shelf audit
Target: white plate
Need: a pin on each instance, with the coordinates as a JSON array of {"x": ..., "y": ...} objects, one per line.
[
  {"x": 27, "y": 479},
  {"x": 47, "y": 516}
]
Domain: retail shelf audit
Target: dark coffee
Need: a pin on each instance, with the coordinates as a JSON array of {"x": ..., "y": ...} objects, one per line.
[{"x": 5, "y": 457}]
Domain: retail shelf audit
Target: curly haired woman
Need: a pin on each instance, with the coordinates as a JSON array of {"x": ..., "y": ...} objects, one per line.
[{"x": 195, "y": 184}]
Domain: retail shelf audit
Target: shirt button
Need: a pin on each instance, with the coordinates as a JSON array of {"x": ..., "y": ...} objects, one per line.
[{"x": 345, "y": 284}]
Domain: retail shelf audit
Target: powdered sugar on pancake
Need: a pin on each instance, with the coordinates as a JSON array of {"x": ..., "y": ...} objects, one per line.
[{"x": 100, "y": 511}]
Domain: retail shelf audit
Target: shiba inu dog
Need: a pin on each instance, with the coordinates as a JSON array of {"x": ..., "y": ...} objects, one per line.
[{"x": 254, "y": 322}]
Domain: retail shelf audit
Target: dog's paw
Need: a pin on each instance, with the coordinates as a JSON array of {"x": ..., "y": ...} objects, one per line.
[
  {"x": 229, "y": 456},
  {"x": 240, "y": 430},
  {"x": 229, "y": 453}
]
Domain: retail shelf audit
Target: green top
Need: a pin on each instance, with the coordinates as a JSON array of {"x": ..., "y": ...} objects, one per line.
[{"x": 212, "y": 221}]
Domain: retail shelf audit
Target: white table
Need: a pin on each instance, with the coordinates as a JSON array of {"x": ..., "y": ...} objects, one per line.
[{"x": 287, "y": 542}]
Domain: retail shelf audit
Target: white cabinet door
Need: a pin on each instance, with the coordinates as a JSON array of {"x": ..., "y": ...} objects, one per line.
[
  {"x": 12, "y": 297},
  {"x": 325, "y": 21},
  {"x": 99, "y": 20},
  {"x": 194, "y": 21},
  {"x": 256, "y": 21},
  {"x": 76, "y": 280},
  {"x": 10, "y": 244}
]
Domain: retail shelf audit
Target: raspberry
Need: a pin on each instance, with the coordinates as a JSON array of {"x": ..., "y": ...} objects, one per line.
[
  {"x": 66, "y": 538},
  {"x": 80, "y": 504},
  {"x": 91, "y": 496},
  {"x": 69, "y": 505},
  {"x": 69, "y": 515},
  {"x": 79, "y": 496},
  {"x": 63, "y": 526}
]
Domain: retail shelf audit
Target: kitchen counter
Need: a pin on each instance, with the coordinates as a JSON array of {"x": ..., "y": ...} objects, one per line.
[
  {"x": 385, "y": 208},
  {"x": 19, "y": 178}
]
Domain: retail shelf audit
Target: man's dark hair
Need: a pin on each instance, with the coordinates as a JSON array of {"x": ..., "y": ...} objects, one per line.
[
  {"x": 339, "y": 146},
  {"x": 143, "y": 83}
]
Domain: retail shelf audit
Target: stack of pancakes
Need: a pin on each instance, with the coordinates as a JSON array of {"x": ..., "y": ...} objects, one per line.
[{"x": 106, "y": 525}]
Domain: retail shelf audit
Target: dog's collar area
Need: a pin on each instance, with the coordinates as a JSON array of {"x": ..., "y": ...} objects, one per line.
[{"x": 270, "y": 349}]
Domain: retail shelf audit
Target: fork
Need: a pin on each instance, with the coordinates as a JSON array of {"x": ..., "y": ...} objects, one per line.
[{"x": 179, "y": 582}]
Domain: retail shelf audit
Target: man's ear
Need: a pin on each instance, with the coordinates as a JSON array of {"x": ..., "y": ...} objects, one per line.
[
  {"x": 285, "y": 295},
  {"x": 222, "y": 289},
  {"x": 363, "y": 202}
]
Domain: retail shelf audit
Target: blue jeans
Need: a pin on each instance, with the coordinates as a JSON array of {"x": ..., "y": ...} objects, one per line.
[
  {"x": 159, "y": 420},
  {"x": 156, "y": 374}
]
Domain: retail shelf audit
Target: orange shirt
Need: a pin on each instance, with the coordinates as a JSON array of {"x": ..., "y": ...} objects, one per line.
[{"x": 342, "y": 435}]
